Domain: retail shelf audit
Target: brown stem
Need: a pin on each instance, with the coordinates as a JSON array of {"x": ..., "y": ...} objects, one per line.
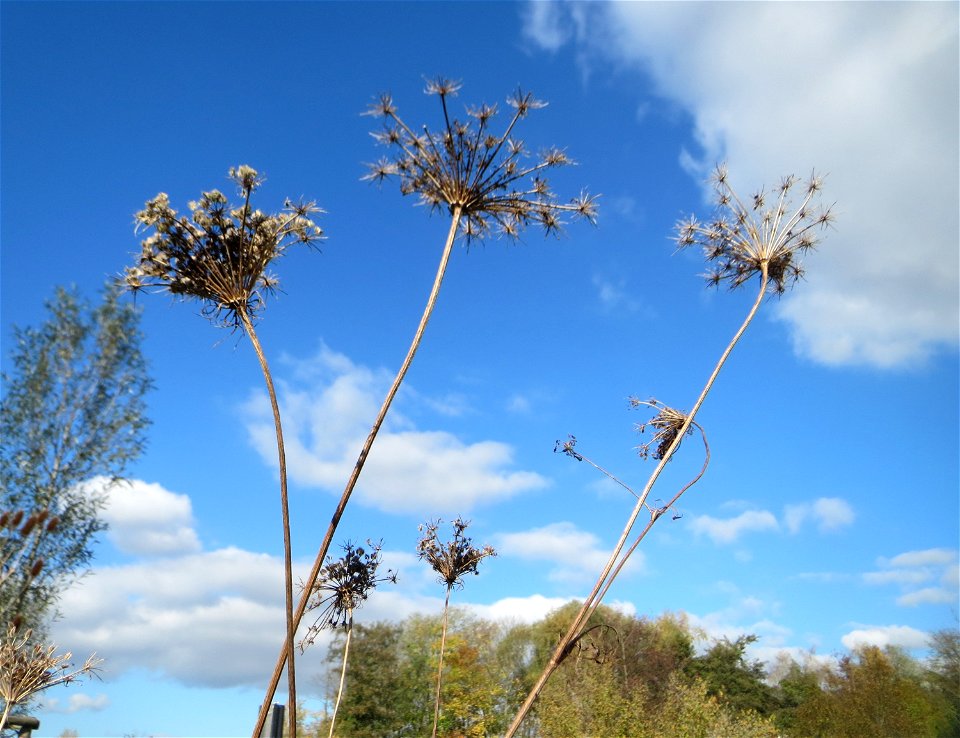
[
  {"x": 443, "y": 644},
  {"x": 285, "y": 508},
  {"x": 287, "y": 652},
  {"x": 588, "y": 604}
]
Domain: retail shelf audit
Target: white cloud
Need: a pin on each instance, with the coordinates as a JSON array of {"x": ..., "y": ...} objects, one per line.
[
  {"x": 928, "y": 596},
  {"x": 146, "y": 519},
  {"x": 829, "y": 514},
  {"x": 328, "y": 409},
  {"x": 613, "y": 295},
  {"x": 206, "y": 619},
  {"x": 745, "y": 615},
  {"x": 898, "y": 576},
  {"x": 867, "y": 93},
  {"x": 913, "y": 568},
  {"x": 885, "y": 635},
  {"x": 729, "y": 530},
  {"x": 520, "y": 609},
  {"x": 77, "y": 703},
  {"x": 574, "y": 555},
  {"x": 926, "y": 557}
]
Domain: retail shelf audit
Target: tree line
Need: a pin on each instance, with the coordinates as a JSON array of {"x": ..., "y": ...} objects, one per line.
[{"x": 629, "y": 677}]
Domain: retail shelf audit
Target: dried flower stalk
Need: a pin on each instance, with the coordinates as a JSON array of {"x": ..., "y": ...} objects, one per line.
[
  {"x": 26, "y": 669},
  {"x": 489, "y": 188},
  {"x": 451, "y": 561},
  {"x": 743, "y": 242},
  {"x": 219, "y": 256},
  {"x": 342, "y": 587}
]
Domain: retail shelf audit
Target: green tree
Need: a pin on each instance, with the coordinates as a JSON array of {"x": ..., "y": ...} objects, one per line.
[
  {"x": 72, "y": 409},
  {"x": 375, "y": 701},
  {"x": 731, "y": 677}
]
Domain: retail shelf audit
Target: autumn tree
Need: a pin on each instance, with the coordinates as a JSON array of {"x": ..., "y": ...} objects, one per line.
[{"x": 871, "y": 692}]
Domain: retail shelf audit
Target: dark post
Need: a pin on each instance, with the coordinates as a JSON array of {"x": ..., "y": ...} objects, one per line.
[
  {"x": 273, "y": 725},
  {"x": 24, "y": 724}
]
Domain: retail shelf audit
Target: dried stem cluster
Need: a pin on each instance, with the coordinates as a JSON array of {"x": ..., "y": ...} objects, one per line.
[
  {"x": 482, "y": 181},
  {"x": 451, "y": 561},
  {"x": 220, "y": 256},
  {"x": 28, "y": 668},
  {"x": 491, "y": 185},
  {"x": 743, "y": 242},
  {"x": 342, "y": 587}
]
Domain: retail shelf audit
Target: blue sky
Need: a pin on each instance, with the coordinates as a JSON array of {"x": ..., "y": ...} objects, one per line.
[{"x": 829, "y": 514}]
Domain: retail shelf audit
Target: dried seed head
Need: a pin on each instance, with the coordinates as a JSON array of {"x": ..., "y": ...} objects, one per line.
[
  {"x": 742, "y": 241},
  {"x": 667, "y": 423},
  {"x": 219, "y": 254},
  {"x": 466, "y": 167},
  {"x": 453, "y": 559},
  {"x": 343, "y": 586}
]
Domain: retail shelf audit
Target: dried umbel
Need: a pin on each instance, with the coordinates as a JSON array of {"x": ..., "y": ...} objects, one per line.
[
  {"x": 28, "y": 668},
  {"x": 668, "y": 424},
  {"x": 219, "y": 254},
  {"x": 343, "y": 586},
  {"x": 766, "y": 235},
  {"x": 455, "y": 558},
  {"x": 489, "y": 179}
]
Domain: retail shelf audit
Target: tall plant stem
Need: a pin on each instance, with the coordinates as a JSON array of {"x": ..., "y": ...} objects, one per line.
[
  {"x": 287, "y": 652},
  {"x": 592, "y": 602},
  {"x": 443, "y": 645},
  {"x": 284, "y": 504},
  {"x": 343, "y": 674}
]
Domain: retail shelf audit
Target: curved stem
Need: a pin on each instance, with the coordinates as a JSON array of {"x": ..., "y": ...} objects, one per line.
[
  {"x": 287, "y": 652},
  {"x": 588, "y": 603},
  {"x": 654, "y": 517},
  {"x": 287, "y": 557},
  {"x": 443, "y": 644},
  {"x": 343, "y": 674}
]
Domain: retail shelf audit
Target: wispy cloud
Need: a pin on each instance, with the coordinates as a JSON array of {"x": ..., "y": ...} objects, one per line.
[
  {"x": 728, "y": 530},
  {"x": 328, "y": 405},
  {"x": 572, "y": 555},
  {"x": 827, "y": 513},
  {"x": 613, "y": 296},
  {"x": 884, "y": 289},
  {"x": 911, "y": 569},
  {"x": 78, "y": 702}
]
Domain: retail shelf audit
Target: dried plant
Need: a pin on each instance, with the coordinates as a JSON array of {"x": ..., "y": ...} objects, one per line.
[
  {"x": 342, "y": 587},
  {"x": 28, "y": 668},
  {"x": 220, "y": 256},
  {"x": 743, "y": 242},
  {"x": 20, "y": 558},
  {"x": 668, "y": 424},
  {"x": 451, "y": 561},
  {"x": 465, "y": 167},
  {"x": 489, "y": 187}
]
